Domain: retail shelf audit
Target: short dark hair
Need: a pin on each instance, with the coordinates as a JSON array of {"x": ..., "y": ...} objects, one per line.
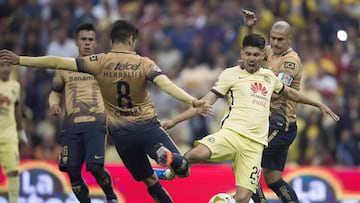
[
  {"x": 84, "y": 26},
  {"x": 254, "y": 40},
  {"x": 121, "y": 30}
]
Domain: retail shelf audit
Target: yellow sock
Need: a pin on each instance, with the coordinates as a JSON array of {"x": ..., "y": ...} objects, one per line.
[{"x": 14, "y": 189}]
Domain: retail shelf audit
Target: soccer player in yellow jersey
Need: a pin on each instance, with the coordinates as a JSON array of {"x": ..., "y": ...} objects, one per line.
[
  {"x": 132, "y": 122},
  {"x": 285, "y": 63},
  {"x": 10, "y": 128},
  {"x": 244, "y": 128},
  {"x": 83, "y": 129}
]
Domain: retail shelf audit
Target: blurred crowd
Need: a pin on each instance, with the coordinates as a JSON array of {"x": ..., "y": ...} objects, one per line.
[{"x": 192, "y": 41}]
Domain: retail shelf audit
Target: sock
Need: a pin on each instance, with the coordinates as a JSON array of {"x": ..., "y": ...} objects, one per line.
[
  {"x": 81, "y": 191},
  {"x": 159, "y": 193},
  {"x": 105, "y": 183},
  {"x": 284, "y": 191},
  {"x": 259, "y": 196},
  {"x": 14, "y": 189}
]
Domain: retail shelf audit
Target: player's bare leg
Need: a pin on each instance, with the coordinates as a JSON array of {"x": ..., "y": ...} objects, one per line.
[
  {"x": 242, "y": 195},
  {"x": 200, "y": 153}
]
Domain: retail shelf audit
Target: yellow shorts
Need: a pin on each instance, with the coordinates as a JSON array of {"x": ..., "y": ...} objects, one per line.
[
  {"x": 9, "y": 157},
  {"x": 244, "y": 153}
]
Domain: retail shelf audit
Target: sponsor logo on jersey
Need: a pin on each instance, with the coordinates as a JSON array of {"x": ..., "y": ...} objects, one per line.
[
  {"x": 4, "y": 100},
  {"x": 256, "y": 87},
  {"x": 259, "y": 99},
  {"x": 290, "y": 65},
  {"x": 81, "y": 78},
  {"x": 127, "y": 66}
]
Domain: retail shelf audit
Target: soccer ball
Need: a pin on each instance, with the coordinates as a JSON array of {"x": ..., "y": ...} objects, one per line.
[{"x": 222, "y": 198}]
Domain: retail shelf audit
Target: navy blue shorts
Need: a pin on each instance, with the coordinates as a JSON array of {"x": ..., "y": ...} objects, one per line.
[
  {"x": 135, "y": 143},
  {"x": 82, "y": 142},
  {"x": 275, "y": 155}
]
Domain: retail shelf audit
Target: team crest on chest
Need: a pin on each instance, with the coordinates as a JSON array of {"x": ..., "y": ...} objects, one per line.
[
  {"x": 211, "y": 139},
  {"x": 267, "y": 79}
]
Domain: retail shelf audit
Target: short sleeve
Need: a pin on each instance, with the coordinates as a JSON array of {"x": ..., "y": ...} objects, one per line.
[
  {"x": 223, "y": 84},
  {"x": 90, "y": 64},
  {"x": 151, "y": 69}
]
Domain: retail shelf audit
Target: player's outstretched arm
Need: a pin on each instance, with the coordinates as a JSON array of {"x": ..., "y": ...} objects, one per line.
[
  {"x": 191, "y": 112},
  {"x": 44, "y": 62},
  {"x": 301, "y": 98},
  {"x": 209, "y": 99},
  {"x": 173, "y": 90}
]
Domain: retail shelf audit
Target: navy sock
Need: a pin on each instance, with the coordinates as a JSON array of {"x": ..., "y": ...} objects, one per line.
[
  {"x": 284, "y": 191},
  {"x": 159, "y": 193},
  {"x": 81, "y": 191},
  {"x": 104, "y": 181},
  {"x": 259, "y": 196}
]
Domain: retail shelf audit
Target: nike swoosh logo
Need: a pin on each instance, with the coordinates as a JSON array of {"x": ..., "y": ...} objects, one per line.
[{"x": 98, "y": 157}]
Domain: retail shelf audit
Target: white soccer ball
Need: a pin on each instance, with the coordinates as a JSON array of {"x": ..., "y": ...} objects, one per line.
[{"x": 222, "y": 198}]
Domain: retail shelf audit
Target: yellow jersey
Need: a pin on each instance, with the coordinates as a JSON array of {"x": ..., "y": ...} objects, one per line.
[
  {"x": 9, "y": 97},
  {"x": 249, "y": 98}
]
